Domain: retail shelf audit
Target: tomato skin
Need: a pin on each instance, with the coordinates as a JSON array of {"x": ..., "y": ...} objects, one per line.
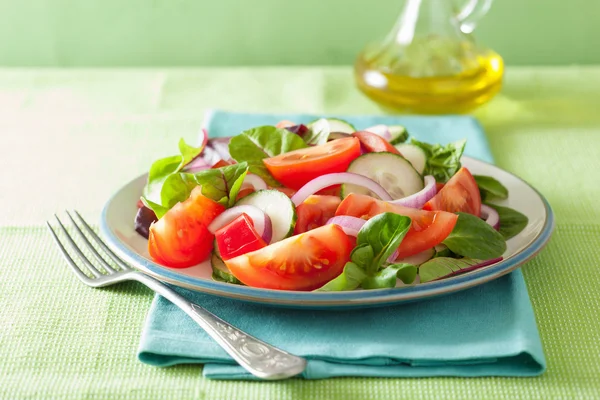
[
  {"x": 373, "y": 143},
  {"x": 238, "y": 237},
  {"x": 222, "y": 163},
  {"x": 287, "y": 191},
  {"x": 181, "y": 238},
  {"x": 428, "y": 228},
  {"x": 243, "y": 193},
  {"x": 315, "y": 211},
  {"x": 296, "y": 168},
  {"x": 302, "y": 262},
  {"x": 459, "y": 194}
]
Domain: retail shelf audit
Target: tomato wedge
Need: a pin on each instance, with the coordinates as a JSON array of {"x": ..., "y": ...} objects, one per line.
[
  {"x": 181, "y": 239},
  {"x": 428, "y": 229},
  {"x": 373, "y": 143},
  {"x": 296, "y": 168},
  {"x": 459, "y": 194},
  {"x": 302, "y": 262},
  {"x": 315, "y": 212},
  {"x": 238, "y": 237}
]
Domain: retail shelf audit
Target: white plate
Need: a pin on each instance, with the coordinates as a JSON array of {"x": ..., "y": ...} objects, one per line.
[{"x": 117, "y": 228}]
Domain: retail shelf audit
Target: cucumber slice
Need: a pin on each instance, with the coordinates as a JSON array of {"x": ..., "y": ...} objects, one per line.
[
  {"x": 391, "y": 171},
  {"x": 220, "y": 271},
  {"x": 278, "y": 207},
  {"x": 337, "y": 125},
  {"x": 414, "y": 154},
  {"x": 399, "y": 134}
]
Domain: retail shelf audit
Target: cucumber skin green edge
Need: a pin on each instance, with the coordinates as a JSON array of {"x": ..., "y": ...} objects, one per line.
[
  {"x": 294, "y": 213},
  {"x": 343, "y": 196}
]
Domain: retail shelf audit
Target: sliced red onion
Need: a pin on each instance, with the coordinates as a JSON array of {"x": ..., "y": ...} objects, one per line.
[
  {"x": 324, "y": 181},
  {"x": 491, "y": 216},
  {"x": 381, "y": 130},
  {"x": 203, "y": 137},
  {"x": 196, "y": 165},
  {"x": 262, "y": 222},
  {"x": 221, "y": 146},
  {"x": 417, "y": 200},
  {"x": 254, "y": 181},
  {"x": 417, "y": 259},
  {"x": 350, "y": 225}
]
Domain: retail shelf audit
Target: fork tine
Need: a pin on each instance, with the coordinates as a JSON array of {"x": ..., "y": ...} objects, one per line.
[
  {"x": 89, "y": 245},
  {"x": 100, "y": 242},
  {"x": 77, "y": 251},
  {"x": 67, "y": 257}
]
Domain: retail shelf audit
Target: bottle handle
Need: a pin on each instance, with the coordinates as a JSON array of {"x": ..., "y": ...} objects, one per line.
[{"x": 471, "y": 13}]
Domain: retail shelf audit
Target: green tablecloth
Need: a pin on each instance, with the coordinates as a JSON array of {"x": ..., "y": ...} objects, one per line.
[{"x": 69, "y": 138}]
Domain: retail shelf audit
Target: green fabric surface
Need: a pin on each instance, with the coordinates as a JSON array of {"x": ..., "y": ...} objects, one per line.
[{"x": 71, "y": 138}]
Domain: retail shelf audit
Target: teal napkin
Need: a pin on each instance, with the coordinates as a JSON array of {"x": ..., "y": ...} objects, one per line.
[{"x": 488, "y": 330}]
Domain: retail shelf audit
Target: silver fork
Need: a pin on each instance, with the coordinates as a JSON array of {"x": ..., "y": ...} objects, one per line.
[{"x": 257, "y": 357}]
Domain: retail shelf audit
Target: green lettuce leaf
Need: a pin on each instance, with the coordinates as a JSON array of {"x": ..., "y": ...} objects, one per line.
[
  {"x": 472, "y": 237},
  {"x": 442, "y": 161},
  {"x": 376, "y": 241},
  {"x": 220, "y": 184},
  {"x": 441, "y": 267},
  {"x": 254, "y": 145},
  {"x": 490, "y": 188},
  {"x": 165, "y": 167},
  {"x": 512, "y": 222}
]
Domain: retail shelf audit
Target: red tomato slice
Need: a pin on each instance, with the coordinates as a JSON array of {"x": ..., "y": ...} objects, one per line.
[
  {"x": 243, "y": 193},
  {"x": 459, "y": 194},
  {"x": 181, "y": 238},
  {"x": 428, "y": 229},
  {"x": 222, "y": 163},
  {"x": 302, "y": 262},
  {"x": 287, "y": 191},
  {"x": 315, "y": 212},
  {"x": 296, "y": 168},
  {"x": 373, "y": 143},
  {"x": 238, "y": 237}
]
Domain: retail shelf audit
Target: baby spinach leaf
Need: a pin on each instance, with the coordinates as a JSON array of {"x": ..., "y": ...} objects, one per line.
[
  {"x": 490, "y": 188},
  {"x": 349, "y": 279},
  {"x": 386, "y": 278},
  {"x": 472, "y": 237},
  {"x": 512, "y": 222},
  {"x": 442, "y": 161},
  {"x": 441, "y": 267},
  {"x": 254, "y": 145}
]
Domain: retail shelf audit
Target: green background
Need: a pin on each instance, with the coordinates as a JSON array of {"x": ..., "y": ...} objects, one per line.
[{"x": 268, "y": 32}]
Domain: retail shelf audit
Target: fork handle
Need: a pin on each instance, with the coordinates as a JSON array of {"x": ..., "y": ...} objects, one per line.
[{"x": 257, "y": 357}]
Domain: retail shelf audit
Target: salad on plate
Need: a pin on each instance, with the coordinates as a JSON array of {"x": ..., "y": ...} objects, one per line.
[{"x": 324, "y": 207}]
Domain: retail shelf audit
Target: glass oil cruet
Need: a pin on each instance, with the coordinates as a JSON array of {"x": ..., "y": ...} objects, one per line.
[{"x": 429, "y": 62}]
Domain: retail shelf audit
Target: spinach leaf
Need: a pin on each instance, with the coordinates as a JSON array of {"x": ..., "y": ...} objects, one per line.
[
  {"x": 318, "y": 133},
  {"x": 386, "y": 278},
  {"x": 512, "y": 222},
  {"x": 442, "y": 161},
  {"x": 441, "y": 267},
  {"x": 376, "y": 241},
  {"x": 473, "y": 237},
  {"x": 254, "y": 145},
  {"x": 349, "y": 279},
  {"x": 383, "y": 233},
  {"x": 490, "y": 188},
  {"x": 163, "y": 168},
  {"x": 221, "y": 185}
]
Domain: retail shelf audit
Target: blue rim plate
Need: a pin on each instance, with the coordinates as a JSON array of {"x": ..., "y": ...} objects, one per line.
[{"x": 116, "y": 226}]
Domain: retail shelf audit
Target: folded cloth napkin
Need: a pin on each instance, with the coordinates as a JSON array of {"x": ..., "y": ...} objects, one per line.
[{"x": 488, "y": 330}]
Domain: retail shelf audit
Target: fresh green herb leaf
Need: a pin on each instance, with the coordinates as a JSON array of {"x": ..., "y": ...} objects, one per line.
[
  {"x": 349, "y": 279},
  {"x": 386, "y": 278},
  {"x": 443, "y": 251},
  {"x": 473, "y": 237},
  {"x": 383, "y": 233},
  {"x": 158, "y": 209},
  {"x": 377, "y": 240},
  {"x": 441, "y": 267},
  {"x": 220, "y": 184},
  {"x": 254, "y": 145},
  {"x": 318, "y": 132},
  {"x": 490, "y": 188},
  {"x": 512, "y": 222},
  {"x": 162, "y": 169},
  {"x": 442, "y": 161}
]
